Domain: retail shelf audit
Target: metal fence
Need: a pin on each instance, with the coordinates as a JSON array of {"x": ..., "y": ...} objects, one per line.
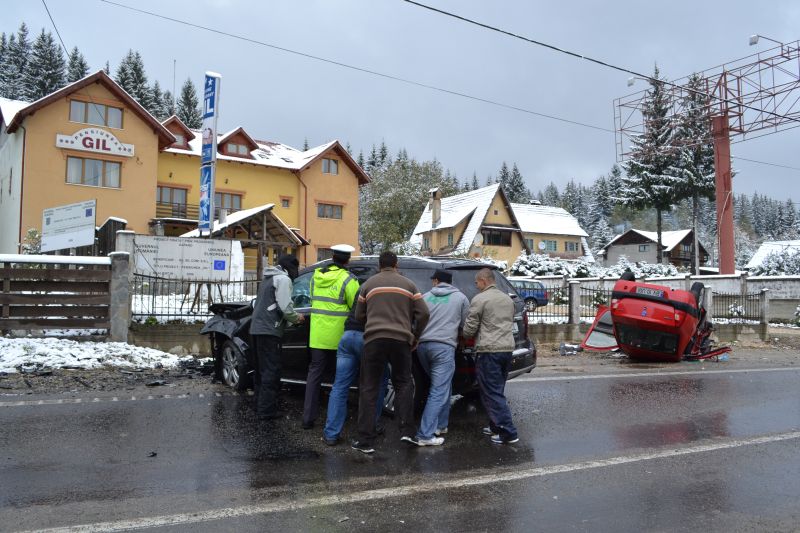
[
  {"x": 591, "y": 299},
  {"x": 736, "y": 306},
  {"x": 161, "y": 300},
  {"x": 557, "y": 309}
]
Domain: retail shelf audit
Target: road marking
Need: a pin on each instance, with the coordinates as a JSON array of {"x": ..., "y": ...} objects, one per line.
[
  {"x": 570, "y": 377},
  {"x": 68, "y": 401},
  {"x": 410, "y": 490}
]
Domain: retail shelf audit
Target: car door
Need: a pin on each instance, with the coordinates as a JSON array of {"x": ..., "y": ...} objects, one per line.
[{"x": 295, "y": 337}]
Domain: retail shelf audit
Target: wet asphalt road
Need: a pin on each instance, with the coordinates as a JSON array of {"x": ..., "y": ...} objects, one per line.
[{"x": 697, "y": 451}]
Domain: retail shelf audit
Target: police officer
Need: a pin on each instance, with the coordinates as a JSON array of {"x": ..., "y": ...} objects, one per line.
[{"x": 333, "y": 294}]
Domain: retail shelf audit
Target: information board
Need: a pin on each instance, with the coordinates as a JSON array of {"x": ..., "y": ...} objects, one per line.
[
  {"x": 183, "y": 258},
  {"x": 68, "y": 226}
]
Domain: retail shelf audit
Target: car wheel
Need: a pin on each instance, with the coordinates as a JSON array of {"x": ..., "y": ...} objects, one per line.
[
  {"x": 233, "y": 365},
  {"x": 530, "y": 305},
  {"x": 697, "y": 290}
]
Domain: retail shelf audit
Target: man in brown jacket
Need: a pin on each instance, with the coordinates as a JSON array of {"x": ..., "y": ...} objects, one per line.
[{"x": 395, "y": 315}]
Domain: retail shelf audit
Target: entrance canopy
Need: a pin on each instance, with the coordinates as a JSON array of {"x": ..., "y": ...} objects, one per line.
[{"x": 257, "y": 226}]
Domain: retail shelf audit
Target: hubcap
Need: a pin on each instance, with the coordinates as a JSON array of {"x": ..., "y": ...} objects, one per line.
[{"x": 229, "y": 372}]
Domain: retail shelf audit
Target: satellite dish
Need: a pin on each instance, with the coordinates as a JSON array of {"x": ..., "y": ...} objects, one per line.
[
  {"x": 542, "y": 246},
  {"x": 478, "y": 240}
]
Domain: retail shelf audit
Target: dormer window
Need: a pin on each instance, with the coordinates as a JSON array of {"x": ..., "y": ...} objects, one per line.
[
  {"x": 236, "y": 149},
  {"x": 330, "y": 166},
  {"x": 179, "y": 139}
]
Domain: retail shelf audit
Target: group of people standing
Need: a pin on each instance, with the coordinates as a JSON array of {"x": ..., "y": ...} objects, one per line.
[{"x": 376, "y": 326}]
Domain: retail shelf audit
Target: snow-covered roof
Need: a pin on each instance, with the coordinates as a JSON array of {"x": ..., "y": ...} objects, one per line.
[
  {"x": 454, "y": 210},
  {"x": 547, "y": 219},
  {"x": 270, "y": 154},
  {"x": 10, "y": 108},
  {"x": 768, "y": 247},
  {"x": 587, "y": 252},
  {"x": 669, "y": 239},
  {"x": 235, "y": 218}
]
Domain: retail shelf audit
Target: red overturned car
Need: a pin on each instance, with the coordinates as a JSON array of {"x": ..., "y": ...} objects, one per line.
[{"x": 654, "y": 323}]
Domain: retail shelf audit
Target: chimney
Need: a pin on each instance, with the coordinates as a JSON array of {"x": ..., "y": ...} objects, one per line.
[{"x": 436, "y": 207}]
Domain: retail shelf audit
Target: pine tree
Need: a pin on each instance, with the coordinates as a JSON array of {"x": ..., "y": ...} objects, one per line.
[
  {"x": 107, "y": 68},
  {"x": 131, "y": 76},
  {"x": 189, "y": 106},
  {"x": 77, "y": 67},
  {"x": 13, "y": 68},
  {"x": 168, "y": 103},
  {"x": 45, "y": 71},
  {"x": 157, "y": 107},
  {"x": 601, "y": 234},
  {"x": 383, "y": 154},
  {"x": 694, "y": 168},
  {"x": 360, "y": 159},
  {"x": 514, "y": 186},
  {"x": 551, "y": 196},
  {"x": 647, "y": 182},
  {"x": 305, "y": 144},
  {"x": 474, "y": 184},
  {"x": 790, "y": 220}
]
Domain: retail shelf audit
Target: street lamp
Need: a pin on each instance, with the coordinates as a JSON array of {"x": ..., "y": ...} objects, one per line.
[
  {"x": 633, "y": 79},
  {"x": 754, "y": 39}
]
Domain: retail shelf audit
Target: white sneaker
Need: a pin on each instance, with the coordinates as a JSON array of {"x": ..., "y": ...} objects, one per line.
[
  {"x": 433, "y": 441},
  {"x": 440, "y": 432}
]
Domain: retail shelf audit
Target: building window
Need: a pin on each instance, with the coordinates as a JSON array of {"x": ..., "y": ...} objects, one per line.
[
  {"x": 225, "y": 200},
  {"x": 330, "y": 166},
  {"x": 329, "y": 211},
  {"x": 97, "y": 114},
  {"x": 324, "y": 253},
  {"x": 570, "y": 246},
  {"x": 171, "y": 202},
  {"x": 493, "y": 237},
  {"x": 426, "y": 243},
  {"x": 93, "y": 172},
  {"x": 550, "y": 246},
  {"x": 687, "y": 248},
  {"x": 286, "y": 202},
  {"x": 236, "y": 149},
  {"x": 529, "y": 243},
  {"x": 450, "y": 239},
  {"x": 644, "y": 247}
]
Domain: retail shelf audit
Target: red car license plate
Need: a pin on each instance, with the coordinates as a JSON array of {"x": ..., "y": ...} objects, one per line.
[{"x": 647, "y": 291}]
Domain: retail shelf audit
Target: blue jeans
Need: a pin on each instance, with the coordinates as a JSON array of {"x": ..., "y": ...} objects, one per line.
[
  {"x": 348, "y": 362},
  {"x": 439, "y": 362},
  {"x": 492, "y": 376}
]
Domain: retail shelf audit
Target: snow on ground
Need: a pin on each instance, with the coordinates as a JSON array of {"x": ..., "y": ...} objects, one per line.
[{"x": 28, "y": 353}]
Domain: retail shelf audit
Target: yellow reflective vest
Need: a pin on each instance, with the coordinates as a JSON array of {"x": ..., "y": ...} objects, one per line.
[{"x": 333, "y": 294}]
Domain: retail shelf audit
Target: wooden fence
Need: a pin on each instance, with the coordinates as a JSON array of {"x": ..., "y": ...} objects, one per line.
[{"x": 57, "y": 292}]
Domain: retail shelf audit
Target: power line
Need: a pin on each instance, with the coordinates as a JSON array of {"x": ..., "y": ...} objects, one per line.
[
  {"x": 590, "y": 59},
  {"x": 53, "y": 22},
  {"x": 360, "y": 69},
  {"x": 765, "y": 163}
]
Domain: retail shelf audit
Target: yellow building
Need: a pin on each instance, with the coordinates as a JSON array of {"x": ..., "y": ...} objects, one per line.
[
  {"x": 314, "y": 191},
  {"x": 91, "y": 140},
  {"x": 87, "y": 141},
  {"x": 484, "y": 223}
]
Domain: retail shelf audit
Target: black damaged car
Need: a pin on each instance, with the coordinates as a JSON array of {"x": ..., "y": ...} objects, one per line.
[{"x": 230, "y": 339}]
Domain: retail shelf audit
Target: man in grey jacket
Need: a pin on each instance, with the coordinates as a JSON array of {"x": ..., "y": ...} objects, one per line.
[
  {"x": 436, "y": 353},
  {"x": 491, "y": 320},
  {"x": 271, "y": 311}
]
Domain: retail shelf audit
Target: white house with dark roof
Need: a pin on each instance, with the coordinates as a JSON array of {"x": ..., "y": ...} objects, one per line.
[{"x": 637, "y": 245}]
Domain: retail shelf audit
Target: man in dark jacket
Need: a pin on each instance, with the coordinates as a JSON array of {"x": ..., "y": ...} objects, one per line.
[
  {"x": 395, "y": 315},
  {"x": 271, "y": 311}
]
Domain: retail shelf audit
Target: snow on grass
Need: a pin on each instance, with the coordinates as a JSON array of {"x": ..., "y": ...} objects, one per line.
[{"x": 28, "y": 354}]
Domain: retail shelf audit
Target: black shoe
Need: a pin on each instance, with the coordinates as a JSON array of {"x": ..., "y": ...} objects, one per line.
[
  {"x": 331, "y": 442},
  {"x": 308, "y": 425},
  {"x": 362, "y": 447}
]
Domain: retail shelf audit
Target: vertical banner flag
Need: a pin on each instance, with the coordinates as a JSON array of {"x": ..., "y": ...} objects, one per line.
[{"x": 208, "y": 157}]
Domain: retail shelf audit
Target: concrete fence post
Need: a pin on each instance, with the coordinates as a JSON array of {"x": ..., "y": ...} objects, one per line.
[
  {"x": 708, "y": 301},
  {"x": 126, "y": 243},
  {"x": 119, "y": 292},
  {"x": 687, "y": 282},
  {"x": 743, "y": 281},
  {"x": 574, "y": 302},
  {"x": 763, "y": 300}
]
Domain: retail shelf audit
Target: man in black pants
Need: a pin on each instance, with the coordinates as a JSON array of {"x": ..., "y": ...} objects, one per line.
[
  {"x": 395, "y": 315},
  {"x": 272, "y": 310}
]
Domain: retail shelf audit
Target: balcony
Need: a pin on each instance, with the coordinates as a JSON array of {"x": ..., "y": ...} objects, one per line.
[{"x": 190, "y": 212}]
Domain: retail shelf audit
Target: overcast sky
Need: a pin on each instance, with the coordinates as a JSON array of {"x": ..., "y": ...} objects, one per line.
[{"x": 283, "y": 97}]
